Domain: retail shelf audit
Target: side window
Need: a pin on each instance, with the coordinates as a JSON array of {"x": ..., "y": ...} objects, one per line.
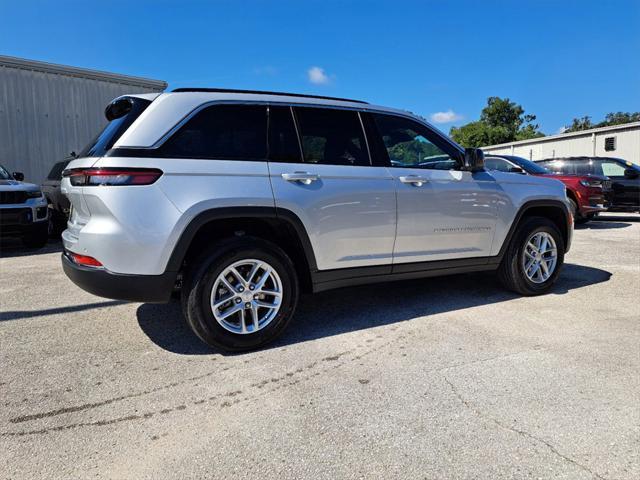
[
  {"x": 582, "y": 168},
  {"x": 283, "y": 138},
  {"x": 225, "y": 132},
  {"x": 608, "y": 168},
  {"x": 409, "y": 144},
  {"x": 493, "y": 163},
  {"x": 331, "y": 136}
]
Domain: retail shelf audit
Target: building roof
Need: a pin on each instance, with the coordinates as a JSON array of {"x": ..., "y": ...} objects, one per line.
[
  {"x": 561, "y": 136},
  {"x": 56, "y": 69}
]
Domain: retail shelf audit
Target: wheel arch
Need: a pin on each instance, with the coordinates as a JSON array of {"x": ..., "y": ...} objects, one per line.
[
  {"x": 555, "y": 210},
  {"x": 281, "y": 226}
]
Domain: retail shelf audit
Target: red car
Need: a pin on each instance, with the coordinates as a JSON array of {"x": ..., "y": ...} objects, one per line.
[{"x": 587, "y": 193}]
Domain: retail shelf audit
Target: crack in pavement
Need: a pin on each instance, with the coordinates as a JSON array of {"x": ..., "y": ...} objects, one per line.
[{"x": 469, "y": 406}]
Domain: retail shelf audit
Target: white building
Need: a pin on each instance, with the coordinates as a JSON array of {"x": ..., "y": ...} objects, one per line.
[{"x": 621, "y": 141}]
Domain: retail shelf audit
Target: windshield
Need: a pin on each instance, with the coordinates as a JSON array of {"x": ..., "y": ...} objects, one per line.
[
  {"x": 121, "y": 113},
  {"x": 527, "y": 165},
  {"x": 4, "y": 174}
]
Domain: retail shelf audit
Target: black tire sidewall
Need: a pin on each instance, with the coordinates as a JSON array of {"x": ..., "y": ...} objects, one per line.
[{"x": 200, "y": 283}]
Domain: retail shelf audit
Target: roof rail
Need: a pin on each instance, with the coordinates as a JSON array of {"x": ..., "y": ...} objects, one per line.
[{"x": 262, "y": 92}]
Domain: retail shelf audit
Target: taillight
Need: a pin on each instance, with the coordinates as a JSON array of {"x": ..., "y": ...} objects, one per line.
[
  {"x": 84, "y": 260},
  {"x": 111, "y": 176}
]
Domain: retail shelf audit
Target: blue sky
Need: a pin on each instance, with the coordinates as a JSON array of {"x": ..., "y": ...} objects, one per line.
[{"x": 558, "y": 59}]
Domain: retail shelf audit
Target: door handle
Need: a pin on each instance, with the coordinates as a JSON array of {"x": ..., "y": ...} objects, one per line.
[
  {"x": 414, "y": 180},
  {"x": 303, "y": 177}
]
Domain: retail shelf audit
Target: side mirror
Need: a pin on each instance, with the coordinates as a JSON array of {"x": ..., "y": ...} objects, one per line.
[
  {"x": 631, "y": 173},
  {"x": 19, "y": 176},
  {"x": 473, "y": 159},
  {"x": 516, "y": 170}
]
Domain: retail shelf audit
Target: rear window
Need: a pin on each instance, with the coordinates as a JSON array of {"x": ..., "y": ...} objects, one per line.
[
  {"x": 121, "y": 113},
  {"x": 56, "y": 171},
  {"x": 225, "y": 132}
]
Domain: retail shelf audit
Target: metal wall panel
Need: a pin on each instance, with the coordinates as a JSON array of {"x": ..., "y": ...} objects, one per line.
[
  {"x": 627, "y": 145},
  {"x": 45, "y": 115}
]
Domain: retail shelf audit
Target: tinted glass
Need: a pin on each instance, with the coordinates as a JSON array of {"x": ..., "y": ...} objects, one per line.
[
  {"x": 608, "y": 168},
  {"x": 408, "y": 144},
  {"x": 332, "y": 137},
  {"x": 126, "y": 110},
  {"x": 527, "y": 165},
  {"x": 4, "y": 174},
  {"x": 225, "y": 132},
  {"x": 56, "y": 171},
  {"x": 570, "y": 167},
  {"x": 493, "y": 163},
  {"x": 283, "y": 139}
]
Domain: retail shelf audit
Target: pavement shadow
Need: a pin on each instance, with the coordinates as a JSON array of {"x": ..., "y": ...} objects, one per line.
[
  {"x": 600, "y": 225},
  {"x": 14, "y": 248},
  {"x": 346, "y": 310},
  {"x": 21, "y": 314}
]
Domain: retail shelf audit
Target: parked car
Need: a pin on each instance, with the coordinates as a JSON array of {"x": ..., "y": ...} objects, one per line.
[
  {"x": 244, "y": 199},
  {"x": 587, "y": 193},
  {"x": 23, "y": 210},
  {"x": 58, "y": 204},
  {"x": 624, "y": 175}
]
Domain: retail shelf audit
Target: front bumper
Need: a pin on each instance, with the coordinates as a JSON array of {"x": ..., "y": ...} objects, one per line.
[
  {"x": 134, "y": 288},
  {"x": 16, "y": 221}
]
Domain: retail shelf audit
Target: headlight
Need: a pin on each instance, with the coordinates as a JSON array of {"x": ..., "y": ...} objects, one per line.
[
  {"x": 34, "y": 194},
  {"x": 591, "y": 183}
]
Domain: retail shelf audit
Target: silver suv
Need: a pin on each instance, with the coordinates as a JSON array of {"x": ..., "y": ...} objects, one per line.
[{"x": 242, "y": 200}]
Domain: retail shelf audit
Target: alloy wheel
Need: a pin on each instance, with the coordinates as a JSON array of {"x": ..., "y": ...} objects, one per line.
[
  {"x": 539, "y": 257},
  {"x": 246, "y": 296}
]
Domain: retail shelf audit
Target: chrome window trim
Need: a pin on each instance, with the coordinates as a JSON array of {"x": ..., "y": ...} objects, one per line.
[{"x": 158, "y": 143}]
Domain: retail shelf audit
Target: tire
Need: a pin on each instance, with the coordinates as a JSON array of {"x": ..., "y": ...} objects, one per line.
[
  {"x": 578, "y": 219},
  {"x": 37, "y": 238},
  {"x": 512, "y": 269},
  {"x": 206, "y": 274},
  {"x": 57, "y": 223}
]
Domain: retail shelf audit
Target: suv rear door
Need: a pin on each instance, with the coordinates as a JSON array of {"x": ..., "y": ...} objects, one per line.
[
  {"x": 443, "y": 213},
  {"x": 321, "y": 170}
]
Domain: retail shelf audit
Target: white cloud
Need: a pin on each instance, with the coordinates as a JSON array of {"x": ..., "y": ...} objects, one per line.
[
  {"x": 445, "y": 117},
  {"x": 318, "y": 76},
  {"x": 561, "y": 130}
]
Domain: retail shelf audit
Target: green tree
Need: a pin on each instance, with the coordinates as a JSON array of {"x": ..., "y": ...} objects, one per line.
[
  {"x": 613, "y": 118},
  {"x": 619, "y": 118},
  {"x": 577, "y": 124},
  {"x": 501, "y": 121}
]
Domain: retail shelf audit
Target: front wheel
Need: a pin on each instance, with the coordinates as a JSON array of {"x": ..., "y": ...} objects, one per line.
[
  {"x": 534, "y": 258},
  {"x": 240, "y": 294}
]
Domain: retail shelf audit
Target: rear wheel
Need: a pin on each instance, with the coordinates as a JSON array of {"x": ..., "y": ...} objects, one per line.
[
  {"x": 534, "y": 258},
  {"x": 240, "y": 294}
]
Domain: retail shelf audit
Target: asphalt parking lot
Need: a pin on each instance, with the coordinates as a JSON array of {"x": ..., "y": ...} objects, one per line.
[{"x": 438, "y": 378}]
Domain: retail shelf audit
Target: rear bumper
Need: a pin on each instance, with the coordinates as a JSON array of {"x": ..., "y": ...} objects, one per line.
[{"x": 134, "y": 288}]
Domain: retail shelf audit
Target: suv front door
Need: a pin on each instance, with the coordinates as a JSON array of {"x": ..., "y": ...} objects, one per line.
[
  {"x": 626, "y": 191},
  {"x": 444, "y": 213},
  {"x": 320, "y": 169}
]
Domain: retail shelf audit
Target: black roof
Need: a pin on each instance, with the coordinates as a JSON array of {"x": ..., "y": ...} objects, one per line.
[
  {"x": 264, "y": 92},
  {"x": 581, "y": 158}
]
